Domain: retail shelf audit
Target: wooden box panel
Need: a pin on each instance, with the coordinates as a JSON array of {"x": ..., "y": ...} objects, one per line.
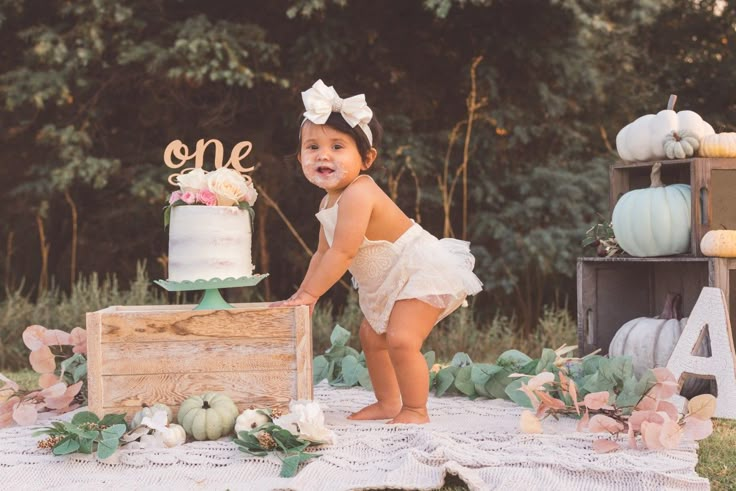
[
  {"x": 613, "y": 291},
  {"x": 712, "y": 181},
  {"x": 165, "y": 353}
]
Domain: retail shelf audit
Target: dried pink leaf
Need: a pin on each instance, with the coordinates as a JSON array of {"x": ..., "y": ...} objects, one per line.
[
  {"x": 530, "y": 423},
  {"x": 666, "y": 385},
  {"x": 605, "y": 446},
  {"x": 697, "y": 429},
  {"x": 550, "y": 401},
  {"x": 638, "y": 417},
  {"x": 601, "y": 422},
  {"x": 65, "y": 399},
  {"x": 650, "y": 435},
  {"x": 537, "y": 382},
  {"x": 583, "y": 423},
  {"x": 56, "y": 390},
  {"x": 25, "y": 414},
  {"x": 670, "y": 409},
  {"x": 54, "y": 337},
  {"x": 42, "y": 360},
  {"x": 574, "y": 395},
  {"x": 596, "y": 400},
  {"x": 632, "y": 438},
  {"x": 46, "y": 380},
  {"x": 33, "y": 337},
  {"x": 8, "y": 385},
  {"x": 79, "y": 340},
  {"x": 670, "y": 435},
  {"x": 702, "y": 406},
  {"x": 647, "y": 403},
  {"x": 564, "y": 381},
  {"x": 541, "y": 410}
]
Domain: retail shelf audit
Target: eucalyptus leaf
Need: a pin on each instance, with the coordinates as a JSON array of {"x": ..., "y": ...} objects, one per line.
[
  {"x": 290, "y": 465},
  {"x": 547, "y": 361},
  {"x": 107, "y": 447},
  {"x": 513, "y": 391},
  {"x": 85, "y": 417},
  {"x": 350, "y": 370},
  {"x": 429, "y": 357},
  {"x": 112, "y": 419},
  {"x": 445, "y": 379},
  {"x": 513, "y": 359},
  {"x": 463, "y": 382},
  {"x": 496, "y": 385},
  {"x": 480, "y": 373},
  {"x": 114, "y": 431},
  {"x": 86, "y": 445},
  {"x": 461, "y": 360},
  {"x": 66, "y": 446},
  {"x": 339, "y": 336},
  {"x": 79, "y": 373},
  {"x": 320, "y": 369}
]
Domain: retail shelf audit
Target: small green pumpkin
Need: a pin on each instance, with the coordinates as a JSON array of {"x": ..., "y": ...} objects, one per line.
[
  {"x": 209, "y": 416},
  {"x": 147, "y": 411}
]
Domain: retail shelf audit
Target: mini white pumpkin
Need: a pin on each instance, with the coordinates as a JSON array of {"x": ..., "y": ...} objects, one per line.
[
  {"x": 680, "y": 144},
  {"x": 718, "y": 145},
  {"x": 643, "y": 139},
  {"x": 719, "y": 243},
  {"x": 650, "y": 342},
  {"x": 208, "y": 416},
  {"x": 250, "y": 419},
  {"x": 175, "y": 435},
  {"x": 654, "y": 221}
]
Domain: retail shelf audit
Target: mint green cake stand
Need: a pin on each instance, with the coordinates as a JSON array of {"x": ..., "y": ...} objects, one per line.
[{"x": 211, "y": 300}]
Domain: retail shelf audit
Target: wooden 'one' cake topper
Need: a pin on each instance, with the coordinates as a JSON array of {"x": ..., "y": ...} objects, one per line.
[{"x": 179, "y": 150}]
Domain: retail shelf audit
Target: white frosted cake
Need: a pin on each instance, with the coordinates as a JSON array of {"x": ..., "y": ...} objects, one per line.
[{"x": 208, "y": 242}]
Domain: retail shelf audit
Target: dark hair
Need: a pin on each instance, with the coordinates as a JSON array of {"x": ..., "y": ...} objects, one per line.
[{"x": 337, "y": 122}]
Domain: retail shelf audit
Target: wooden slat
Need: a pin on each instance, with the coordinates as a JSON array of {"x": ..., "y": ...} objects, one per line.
[
  {"x": 134, "y": 390},
  {"x": 198, "y": 324},
  {"x": 221, "y": 355},
  {"x": 94, "y": 362},
  {"x": 303, "y": 353}
]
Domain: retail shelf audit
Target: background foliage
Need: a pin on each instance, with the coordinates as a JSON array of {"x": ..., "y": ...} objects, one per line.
[{"x": 93, "y": 90}]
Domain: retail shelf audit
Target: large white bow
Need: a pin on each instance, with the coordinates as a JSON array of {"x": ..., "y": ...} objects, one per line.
[{"x": 320, "y": 101}]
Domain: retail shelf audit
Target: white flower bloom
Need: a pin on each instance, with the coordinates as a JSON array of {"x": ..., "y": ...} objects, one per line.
[
  {"x": 250, "y": 419},
  {"x": 158, "y": 421},
  {"x": 228, "y": 185},
  {"x": 306, "y": 421},
  {"x": 193, "y": 181}
]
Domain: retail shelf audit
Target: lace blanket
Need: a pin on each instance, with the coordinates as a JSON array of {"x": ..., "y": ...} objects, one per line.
[{"x": 477, "y": 440}]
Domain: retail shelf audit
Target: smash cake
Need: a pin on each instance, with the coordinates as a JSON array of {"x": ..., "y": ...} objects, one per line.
[{"x": 209, "y": 220}]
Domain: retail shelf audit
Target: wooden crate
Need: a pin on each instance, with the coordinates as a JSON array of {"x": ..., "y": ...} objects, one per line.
[
  {"x": 613, "y": 291},
  {"x": 712, "y": 181},
  {"x": 257, "y": 355}
]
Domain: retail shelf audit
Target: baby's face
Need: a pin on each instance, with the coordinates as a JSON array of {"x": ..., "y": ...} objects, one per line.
[{"x": 330, "y": 159}]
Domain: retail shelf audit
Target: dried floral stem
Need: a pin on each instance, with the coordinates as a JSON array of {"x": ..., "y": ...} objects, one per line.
[
  {"x": 73, "y": 265},
  {"x": 44, "y": 275}
]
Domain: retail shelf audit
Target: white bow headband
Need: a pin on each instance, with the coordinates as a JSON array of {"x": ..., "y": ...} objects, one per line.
[{"x": 320, "y": 101}]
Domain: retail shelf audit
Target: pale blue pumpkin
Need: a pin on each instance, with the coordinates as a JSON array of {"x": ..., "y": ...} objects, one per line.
[{"x": 654, "y": 221}]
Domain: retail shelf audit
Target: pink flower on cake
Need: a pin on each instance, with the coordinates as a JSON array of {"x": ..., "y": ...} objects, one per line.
[
  {"x": 250, "y": 195},
  {"x": 175, "y": 196},
  {"x": 229, "y": 186},
  {"x": 192, "y": 181},
  {"x": 188, "y": 198},
  {"x": 207, "y": 197}
]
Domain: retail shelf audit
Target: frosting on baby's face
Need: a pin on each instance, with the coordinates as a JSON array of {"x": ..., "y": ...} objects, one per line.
[{"x": 330, "y": 159}]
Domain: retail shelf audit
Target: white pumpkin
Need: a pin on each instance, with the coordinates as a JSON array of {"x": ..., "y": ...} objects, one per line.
[
  {"x": 147, "y": 411},
  {"x": 680, "y": 144},
  {"x": 643, "y": 139},
  {"x": 719, "y": 243},
  {"x": 174, "y": 436},
  {"x": 650, "y": 342},
  {"x": 718, "y": 145},
  {"x": 654, "y": 221},
  {"x": 250, "y": 419}
]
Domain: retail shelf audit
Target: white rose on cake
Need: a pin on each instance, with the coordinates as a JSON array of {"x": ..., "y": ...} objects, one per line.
[
  {"x": 192, "y": 181},
  {"x": 230, "y": 187}
]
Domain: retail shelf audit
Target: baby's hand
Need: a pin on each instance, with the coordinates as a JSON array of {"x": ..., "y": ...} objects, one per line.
[{"x": 299, "y": 298}]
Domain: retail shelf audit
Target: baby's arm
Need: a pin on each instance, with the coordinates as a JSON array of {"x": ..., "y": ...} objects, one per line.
[
  {"x": 354, "y": 213},
  {"x": 316, "y": 258}
]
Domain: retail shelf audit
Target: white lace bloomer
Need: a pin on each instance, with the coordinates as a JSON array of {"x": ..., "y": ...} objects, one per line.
[{"x": 417, "y": 265}]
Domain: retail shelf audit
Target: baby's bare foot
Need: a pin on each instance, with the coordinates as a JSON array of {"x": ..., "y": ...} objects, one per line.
[
  {"x": 411, "y": 415},
  {"x": 377, "y": 410}
]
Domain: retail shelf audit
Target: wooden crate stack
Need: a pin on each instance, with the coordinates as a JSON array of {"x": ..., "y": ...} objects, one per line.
[{"x": 612, "y": 291}]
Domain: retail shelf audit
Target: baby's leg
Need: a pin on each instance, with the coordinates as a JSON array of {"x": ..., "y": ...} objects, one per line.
[
  {"x": 409, "y": 325},
  {"x": 382, "y": 376}
]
